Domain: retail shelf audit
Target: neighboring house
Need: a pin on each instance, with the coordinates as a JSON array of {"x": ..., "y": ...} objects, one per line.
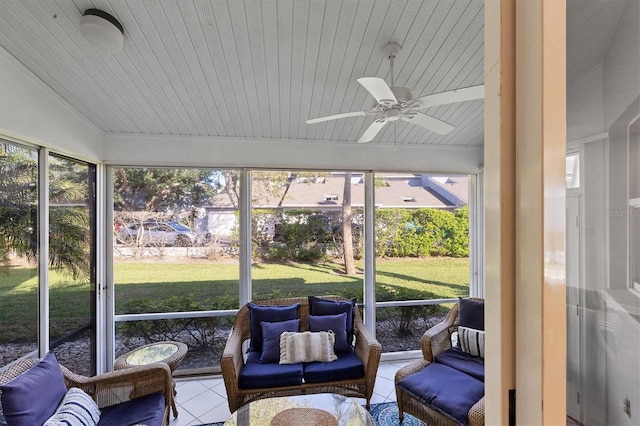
[{"x": 325, "y": 193}]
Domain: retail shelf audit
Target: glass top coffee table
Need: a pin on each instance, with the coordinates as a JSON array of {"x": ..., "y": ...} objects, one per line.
[
  {"x": 170, "y": 353},
  {"x": 323, "y": 409}
]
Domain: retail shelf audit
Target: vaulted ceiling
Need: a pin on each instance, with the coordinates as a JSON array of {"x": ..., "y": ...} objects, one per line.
[
  {"x": 257, "y": 69},
  {"x": 254, "y": 69}
]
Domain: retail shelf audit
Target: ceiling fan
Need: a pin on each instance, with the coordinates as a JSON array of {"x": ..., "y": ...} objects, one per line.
[{"x": 397, "y": 103}]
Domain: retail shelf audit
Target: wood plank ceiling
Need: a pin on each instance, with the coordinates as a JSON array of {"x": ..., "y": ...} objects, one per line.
[
  {"x": 251, "y": 68},
  {"x": 259, "y": 68}
]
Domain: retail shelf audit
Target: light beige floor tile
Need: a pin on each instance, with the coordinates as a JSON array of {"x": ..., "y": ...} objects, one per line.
[
  {"x": 219, "y": 414},
  {"x": 183, "y": 419},
  {"x": 188, "y": 390},
  {"x": 202, "y": 403}
]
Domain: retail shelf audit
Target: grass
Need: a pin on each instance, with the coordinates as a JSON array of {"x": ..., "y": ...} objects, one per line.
[{"x": 396, "y": 279}]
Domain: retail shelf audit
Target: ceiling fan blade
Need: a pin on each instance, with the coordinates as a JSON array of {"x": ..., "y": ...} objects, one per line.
[
  {"x": 372, "y": 131},
  {"x": 429, "y": 122},
  {"x": 451, "y": 96},
  {"x": 335, "y": 117},
  {"x": 379, "y": 89}
]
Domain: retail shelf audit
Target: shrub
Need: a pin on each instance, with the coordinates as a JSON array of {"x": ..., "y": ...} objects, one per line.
[
  {"x": 199, "y": 332},
  {"x": 422, "y": 232},
  {"x": 406, "y": 319}
]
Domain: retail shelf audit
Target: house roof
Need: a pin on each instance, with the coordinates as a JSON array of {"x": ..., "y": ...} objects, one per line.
[{"x": 326, "y": 192}]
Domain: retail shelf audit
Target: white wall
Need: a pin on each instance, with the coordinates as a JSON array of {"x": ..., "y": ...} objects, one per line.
[
  {"x": 622, "y": 65},
  {"x": 585, "y": 113},
  {"x": 607, "y": 94},
  {"x": 30, "y": 111}
]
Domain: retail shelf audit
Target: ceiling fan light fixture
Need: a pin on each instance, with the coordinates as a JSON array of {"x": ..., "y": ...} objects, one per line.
[{"x": 102, "y": 30}]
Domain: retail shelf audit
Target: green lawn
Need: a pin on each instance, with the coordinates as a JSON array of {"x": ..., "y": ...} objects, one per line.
[{"x": 214, "y": 282}]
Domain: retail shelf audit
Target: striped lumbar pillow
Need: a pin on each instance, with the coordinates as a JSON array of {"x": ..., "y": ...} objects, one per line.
[
  {"x": 76, "y": 408},
  {"x": 471, "y": 341},
  {"x": 307, "y": 347}
]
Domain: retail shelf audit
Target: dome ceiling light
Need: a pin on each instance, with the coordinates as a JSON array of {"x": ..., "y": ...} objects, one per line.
[{"x": 102, "y": 30}]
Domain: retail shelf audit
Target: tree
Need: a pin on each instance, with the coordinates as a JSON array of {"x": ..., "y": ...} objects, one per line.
[
  {"x": 164, "y": 189},
  {"x": 18, "y": 203},
  {"x": 347, "y": 235},
  {"x": 68, "y": 223}
]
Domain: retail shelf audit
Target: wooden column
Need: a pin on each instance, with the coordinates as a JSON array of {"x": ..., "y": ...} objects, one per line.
[
  {"x": 499, "y": 202},
  {"x": 540, "y": 212}
]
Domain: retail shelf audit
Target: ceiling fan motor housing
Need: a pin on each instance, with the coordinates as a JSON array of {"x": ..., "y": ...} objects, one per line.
[
  {"x": 403, "y": 94},
  {"x": 392, "y": 114}
]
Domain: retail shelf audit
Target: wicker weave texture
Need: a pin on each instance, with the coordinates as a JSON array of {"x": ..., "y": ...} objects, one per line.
[
  {"x": 434, "y": 341},
  {"x": 111, "y": 388},
  {"x": 367, "y": 349}
]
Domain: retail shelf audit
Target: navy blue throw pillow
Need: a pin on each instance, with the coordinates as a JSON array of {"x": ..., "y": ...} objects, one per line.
[
  {"x": 335, "y": 323},
  {"x": 320, "y": 306},
  {"x": 259, "y": 313},
  {"x": 32, "y": 397},
  {"x": 471, "y": 313},
  {"x": 271, "y": 332}
]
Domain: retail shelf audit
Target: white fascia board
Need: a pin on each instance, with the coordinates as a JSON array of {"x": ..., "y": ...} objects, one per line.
[{"x": 227, "y": 152}]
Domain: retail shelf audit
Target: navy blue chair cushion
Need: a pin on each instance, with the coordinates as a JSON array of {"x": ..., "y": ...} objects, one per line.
[
  {"x": 147, "y": 410},
  {"x": 445, "y": 389},
  {"x": 258, "y": 314},
  {"x": 32, "y": 397},
  {"x": 255, "y": 375},
  {"x": 471, "y": 313},
  {"x": 336, "y": 323},
  {"x": 347, "y": 366},
  {"x": 320, "y": 306},
  {"x": 462, "y": 361},
  {"x": 271, "y": 332}
]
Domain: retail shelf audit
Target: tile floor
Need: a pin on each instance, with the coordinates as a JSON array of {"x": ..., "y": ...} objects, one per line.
[{"x": 203, "y": 399}]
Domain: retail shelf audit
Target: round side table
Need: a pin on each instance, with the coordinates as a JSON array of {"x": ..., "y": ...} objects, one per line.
[{"x": 170, "y": 353}]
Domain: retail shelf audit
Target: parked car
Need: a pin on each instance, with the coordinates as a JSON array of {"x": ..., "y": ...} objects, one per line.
[{"x": 153, "y": 233}]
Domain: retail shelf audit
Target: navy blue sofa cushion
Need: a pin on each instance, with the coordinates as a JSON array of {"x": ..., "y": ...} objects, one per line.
[
  {"x": 147, "y": 410},
  {"x": 337, "y": 324},
  {"x": 32, "y": 397},
  {"x": 446, "y": 389},
  {"x": 258, "y": 314},
  {"x": 271, "y": 332},
  {"x": 255, "y": 375},
  {"x": 471, "y": 313},
  {"x": 347, "y": 366},
  {"x": 320, "y": 306},
  {"x": 462, "y": 361}
]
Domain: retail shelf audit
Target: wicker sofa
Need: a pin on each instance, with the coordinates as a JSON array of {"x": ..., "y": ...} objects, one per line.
[
  {"x": 232, "y": 363},
  {"x": 135, "y": 395},
  {"x": 437, "y": 352}
]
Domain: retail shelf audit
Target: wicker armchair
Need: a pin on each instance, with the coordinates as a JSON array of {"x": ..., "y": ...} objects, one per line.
[
  {"x": 367, "y": 349},
  {"x": 111, "y": 388},
  {"x": 434, "y": 341}
]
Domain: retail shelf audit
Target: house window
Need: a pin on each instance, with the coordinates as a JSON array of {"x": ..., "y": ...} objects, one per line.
[{"x": 573, "y": 170}]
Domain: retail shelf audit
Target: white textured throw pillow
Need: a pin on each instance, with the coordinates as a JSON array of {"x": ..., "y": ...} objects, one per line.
[
  {"x": 471, "y": 341},
  {"x": 307, "y": 347},
  {"x": 454, "y": 340},
  {"x": 76, "y": 409}
]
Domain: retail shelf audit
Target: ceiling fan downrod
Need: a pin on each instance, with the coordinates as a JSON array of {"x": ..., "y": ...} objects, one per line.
[{"x": 391, "y": 50}]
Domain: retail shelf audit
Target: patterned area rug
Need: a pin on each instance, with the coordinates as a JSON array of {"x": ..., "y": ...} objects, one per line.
[{"x": 385, "y": 414}]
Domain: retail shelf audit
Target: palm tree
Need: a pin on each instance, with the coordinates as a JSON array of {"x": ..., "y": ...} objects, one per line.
[{"x": 69, "y": 217}]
